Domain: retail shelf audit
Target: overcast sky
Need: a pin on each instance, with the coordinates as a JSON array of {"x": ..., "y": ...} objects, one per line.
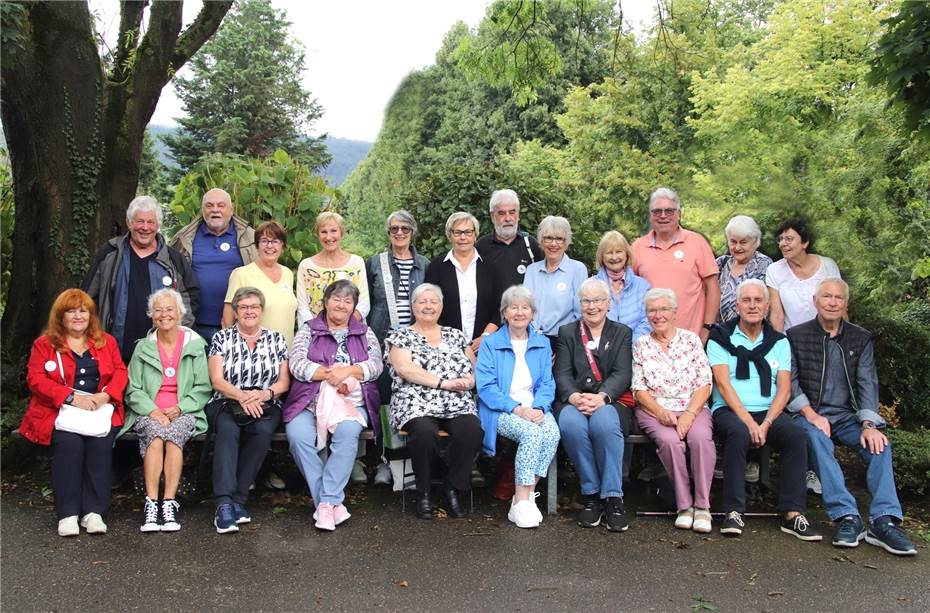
[{"x": 357, "y": 51}]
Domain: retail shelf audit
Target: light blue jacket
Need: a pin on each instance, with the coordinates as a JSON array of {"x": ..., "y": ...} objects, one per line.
[
  {"x": 494, "y": 373},
  {"x": 631, "y": 311}
]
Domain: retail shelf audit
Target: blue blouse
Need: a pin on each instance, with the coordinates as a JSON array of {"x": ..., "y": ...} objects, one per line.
[{"x": 629, "y": 308}]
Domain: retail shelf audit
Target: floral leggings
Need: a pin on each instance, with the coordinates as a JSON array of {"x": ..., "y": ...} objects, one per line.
[{"x": 536, "y": 445}]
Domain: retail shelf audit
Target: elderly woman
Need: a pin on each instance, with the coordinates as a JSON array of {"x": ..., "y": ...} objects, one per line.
[
  {"x": 614, "y": 261},
  {"x": 248, "y": 369},
  {"x": 515, "y": 394},
  {"x": 793, "y": 279},
  {"x": 330, "y": 264},
  {"x": 276, "y": 282},
  {"x": 466, "y": 282},
  {"x": 593, "y": 369},
  {"x": 168, "y": 387},
  {"x": 432, "y": 367},
  {"x": 555, "y": 280},
  {"x": 335, "y": 362},
  {"x": 75, "y": 363},
  {"x": 672, "y": 382},
  {"x": 743, "y": 262}
]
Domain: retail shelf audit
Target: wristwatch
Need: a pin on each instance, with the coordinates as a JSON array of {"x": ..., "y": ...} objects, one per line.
[
  {"x": 70, "y": 398},
  {"x": 867, "y": 425}
]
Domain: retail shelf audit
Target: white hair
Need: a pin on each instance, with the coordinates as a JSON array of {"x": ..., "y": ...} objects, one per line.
[
  {"x": 458, "y": 217},
  {"x": 501, "y": 196},
  {"x": 144, "y": 204},
  {"x": 517, "y": 293},
  {"x": 667, "y": 194},
  {"x": 657, "y": 293},
  {"x": 593, "y": 284},
  {"x": 752, "y": 283},
  {"x": 422, "y": 289},
  {"x": 167, "y": 292},
  {"x": 836, "y": 280},
  {"x": 744, "y": 226},
  {"x": 556, "y": 225}
]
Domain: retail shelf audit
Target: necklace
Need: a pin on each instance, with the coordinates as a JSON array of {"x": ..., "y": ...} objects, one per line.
[
  {"x": 248, "y": 337},
  {"x": 170, "y": 356}
]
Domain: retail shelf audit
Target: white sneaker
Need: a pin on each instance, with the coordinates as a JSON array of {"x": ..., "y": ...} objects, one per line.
[
  {"x": 358, "y": 473},
  {"x": 93, "y": 523},
  {"x": 702, "y": 521},
  {"x": 383, "y": 475},
  {"x": 68, "y": 526},
  {"x": 752, "y": 472},
  {"x": 274, "y": 482},
  {"x": 813, "y": 483},
  {"x": 685, "y": 519},
  {"x": 536, "y": 511},
  {"x": 150, "y": 516},
  {"x": 522, "y": 514}
]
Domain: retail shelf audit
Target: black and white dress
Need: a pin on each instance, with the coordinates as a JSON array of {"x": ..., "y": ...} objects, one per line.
[
  {"x": 246, "y": 368},
  {"x": 448, "y": 360}
]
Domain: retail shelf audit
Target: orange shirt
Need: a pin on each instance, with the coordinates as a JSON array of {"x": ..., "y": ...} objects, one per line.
[{"x": 680, "y": 267}]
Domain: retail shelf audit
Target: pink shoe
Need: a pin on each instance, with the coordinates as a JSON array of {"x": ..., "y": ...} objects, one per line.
[
  {"x": 340, "y": 514},
  {"x": 324, "y": 517}
]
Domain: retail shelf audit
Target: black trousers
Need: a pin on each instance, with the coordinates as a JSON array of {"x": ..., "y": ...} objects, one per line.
[
  {"x": 235, "y": 468},
  {"x": 465, "y": 435},
  {"x": 82, "y": 473},
  {"x": 785, "y": 435}
]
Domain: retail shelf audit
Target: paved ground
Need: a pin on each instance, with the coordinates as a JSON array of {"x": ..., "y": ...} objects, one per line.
[{"x": 385, "y": 560}]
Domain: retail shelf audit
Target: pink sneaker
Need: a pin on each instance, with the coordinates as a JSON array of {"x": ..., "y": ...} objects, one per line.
[
  {"x": 324, "y": 517},
  {"x": 340, "y": 514}
]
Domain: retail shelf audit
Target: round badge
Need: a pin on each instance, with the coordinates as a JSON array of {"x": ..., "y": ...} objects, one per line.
[
  {"x": 285, "y": 287},
  {"x": 224, "y": 246},
  {"x": 166, "y": 281},
  {"x": 170, "y": 372},
  {"x": 521, "y": 269},
  {"x": 50, "y": 365},
  {"x": 561, "y": 287},
  {"x": 773, "y": 363},
  {"x": 592, "y": 345},
  {"x": 679, "y": 255}
]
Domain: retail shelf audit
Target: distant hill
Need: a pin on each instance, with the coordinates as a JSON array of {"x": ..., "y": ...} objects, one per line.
[{"x": 346, "y": 153}]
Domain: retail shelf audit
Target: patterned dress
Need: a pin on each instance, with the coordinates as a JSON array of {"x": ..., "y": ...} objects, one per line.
[
  {"x": 448, "y": 360},
  {"x": 245, "y": 368},
  {"x": 671, "y": 377},
  {"x": 755, "y": 269}
]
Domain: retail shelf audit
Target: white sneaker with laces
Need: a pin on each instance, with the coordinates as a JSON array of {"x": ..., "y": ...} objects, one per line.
[
  {"x": 93, "y": 523},
  {"x": 523, "y": 515},
  {"x": 536, "y": 511},
  {"x": 68, "y": 526}
]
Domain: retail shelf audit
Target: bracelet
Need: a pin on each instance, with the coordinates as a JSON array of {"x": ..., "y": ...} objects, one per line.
[
  {"x": 271, "y": 397},
  {"x": 439, "y": 383}
]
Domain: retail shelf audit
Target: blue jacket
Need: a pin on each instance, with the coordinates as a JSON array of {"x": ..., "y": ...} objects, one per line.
[{"x": 494, "y": 373}]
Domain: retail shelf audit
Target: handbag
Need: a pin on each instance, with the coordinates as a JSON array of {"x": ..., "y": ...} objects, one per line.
[
  {"x": 80, "y": 421},
  {"x": 241, "y": 417}
]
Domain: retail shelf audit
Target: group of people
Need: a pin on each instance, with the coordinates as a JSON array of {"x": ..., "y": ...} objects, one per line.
[{"x": 502, "y": 338}]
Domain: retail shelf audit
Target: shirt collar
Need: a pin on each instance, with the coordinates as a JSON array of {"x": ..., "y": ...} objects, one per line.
[
  {"x": 678, "y": 238},
  {"x": 230, "y": 231}
]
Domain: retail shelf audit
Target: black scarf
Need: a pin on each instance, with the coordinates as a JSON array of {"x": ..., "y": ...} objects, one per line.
[{"x": 721, "y": 333}]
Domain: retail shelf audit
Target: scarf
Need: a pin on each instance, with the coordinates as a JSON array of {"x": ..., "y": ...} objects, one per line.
[{"x": 721, "y": 333}]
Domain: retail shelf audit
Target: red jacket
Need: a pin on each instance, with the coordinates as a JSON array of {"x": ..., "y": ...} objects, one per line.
[{"x": 49, "y": 391}]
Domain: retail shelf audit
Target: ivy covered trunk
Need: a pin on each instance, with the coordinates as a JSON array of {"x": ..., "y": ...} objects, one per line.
[{"x": 74, "y": 128}]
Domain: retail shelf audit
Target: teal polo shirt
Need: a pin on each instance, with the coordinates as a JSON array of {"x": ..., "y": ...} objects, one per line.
[{"x": 778, "y": 357}]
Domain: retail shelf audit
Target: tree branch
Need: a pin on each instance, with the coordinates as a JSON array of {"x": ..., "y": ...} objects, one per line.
[
  {"x": 207, "y": 22},
  {"x": 129, "y": 34}
]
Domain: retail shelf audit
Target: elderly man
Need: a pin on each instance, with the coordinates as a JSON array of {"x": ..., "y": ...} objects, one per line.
[
  {"x": 128, "y": 268},
  {"x": 681, "y": 260},
  {"x": 835, "y": 393},
  {"x": 751, "y": 362},
  {"x": 507, "y": 251},
  {"x": 215, "y": 244}
]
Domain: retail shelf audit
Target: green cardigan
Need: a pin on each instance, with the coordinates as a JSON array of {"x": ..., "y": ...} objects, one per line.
[{"x": 145, "y": 378}]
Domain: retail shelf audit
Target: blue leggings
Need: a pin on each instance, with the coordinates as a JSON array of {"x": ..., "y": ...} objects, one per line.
[{"x": 536, "y": 445}]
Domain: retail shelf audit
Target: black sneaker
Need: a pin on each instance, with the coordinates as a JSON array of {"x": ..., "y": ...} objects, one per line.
[
  {"x": 849, "y": 531},
  {"x": 884, "y": 532},
  {"x": 732, "y": 524},
  {"x": 590, "y": 516},
  {"x": 799, "y": 526},
  {"x": 169, "y": 516},
  {"x": 150, "y": 516},
  {"x": 617, "y": 520}
]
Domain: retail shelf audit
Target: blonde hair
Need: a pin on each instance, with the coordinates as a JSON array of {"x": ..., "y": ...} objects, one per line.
[
  {"x": 613, "y": 241},
  {"x": 327, "y": 216}
]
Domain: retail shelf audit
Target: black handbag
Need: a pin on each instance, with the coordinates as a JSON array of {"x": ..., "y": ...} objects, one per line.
[{"x": 241, "y": 417}]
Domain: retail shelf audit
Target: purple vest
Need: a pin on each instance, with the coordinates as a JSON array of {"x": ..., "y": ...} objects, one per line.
[{"x": 322, "y": 350}]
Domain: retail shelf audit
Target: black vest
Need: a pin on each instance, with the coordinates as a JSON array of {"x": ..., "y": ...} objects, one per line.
[{"x": 808, "y": 353}]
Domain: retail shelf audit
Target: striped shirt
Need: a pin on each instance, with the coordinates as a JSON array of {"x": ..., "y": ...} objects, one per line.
[
  {"x": 404, "y": 314},
  {"x": 245, "y": 368}
]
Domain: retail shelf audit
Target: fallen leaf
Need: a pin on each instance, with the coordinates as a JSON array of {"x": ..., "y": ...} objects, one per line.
[
  {"x": 277, "y": 510},
  {"x": 870, "y": 566},
  {"x": 95, "y": 562},
  {"x": 776, "y": 593},
  {"x": 752, "y": 578},
  {"x": 403, "y": 584}
]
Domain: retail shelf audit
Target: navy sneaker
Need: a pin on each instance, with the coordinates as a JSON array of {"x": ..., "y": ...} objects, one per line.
[
  {"x": 617, "y": 519},
  {"x": 849, "y": 531},
  {"x": 225, "y": 519},
  {"x": 593, "y": 510},
  {"x": 884, "y": 532},
  {"x": 242, "y": 514},
  {"x": 799, "y": 526}
]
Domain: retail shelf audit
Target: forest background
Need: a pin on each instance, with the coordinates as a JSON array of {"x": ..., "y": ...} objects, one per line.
[{"x": 760, "y": 107}]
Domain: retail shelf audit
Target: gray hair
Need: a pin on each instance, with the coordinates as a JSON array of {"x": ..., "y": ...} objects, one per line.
[
  {"x": 245, "y": 292},
  {"x": 422, "y": 288},
  {"x": 501, "y": 196},
  {"x": 167, "y": 292},
  {"x": 455, "y": 218},
  {"x": 752, "y": 283},
  {"x": 593, "y": 284},
  {"x": 657, "y": 293},
  {"x": 144, "y": 204},
  {"x": 517, "y": 293},
  {"x": 666, "y": 193},
  {"x": 403, "y": 216},
  {"x": 744, "y": 226},
  {"x": 341, "y": 287},
  {"x": 836, "y": 280},
  {"x": 556, "y": 225}
]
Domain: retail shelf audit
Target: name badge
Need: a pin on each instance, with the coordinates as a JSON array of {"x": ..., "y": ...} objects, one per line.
[
  {"x": 679, "y": 255},
  {"x": 50, "y": 365},
  {"x": 170, "y": 372},
  {"x": 521, "y": 269},
  {"x": 773, "y": 363},
  {"x": 166, "y": 281},
  {"x": 592, "y": 345},
  {"x": 561, "y": 287},
  {"x": 224, "y": 246}
]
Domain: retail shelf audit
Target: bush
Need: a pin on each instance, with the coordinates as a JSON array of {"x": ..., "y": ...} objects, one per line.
[{"x": 911, "y": 450}]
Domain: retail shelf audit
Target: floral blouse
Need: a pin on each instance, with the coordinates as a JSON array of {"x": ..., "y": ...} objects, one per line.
[
  {"x": 674, "y": 376},
  {"x": 448, "y": 360},
  {"x": 755, "y": 269}
]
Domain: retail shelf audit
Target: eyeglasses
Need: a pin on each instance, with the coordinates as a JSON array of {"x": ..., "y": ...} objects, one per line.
[
  {"x": 400, "y": 229},
  {"x": 786, "y": 239},
  {"x": 165, "y": 310},
  {"x": 271, "y": 242},
  {"x": 458, "y": 233},
  {"x": 249, "y": 307},
  {"x": 659, "y": 310},
  {"x": 558, "y": 240},
  {"x": 663, "y": 212},
  {"x": 592, "y": 301}
]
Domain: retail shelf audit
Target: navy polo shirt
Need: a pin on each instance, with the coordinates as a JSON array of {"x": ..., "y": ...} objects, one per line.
[{"x": 213, "y": 259}]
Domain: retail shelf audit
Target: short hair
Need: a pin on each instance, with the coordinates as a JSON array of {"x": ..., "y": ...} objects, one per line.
[
  {"x": 503, "y": 195},
  {"x": 593, "y": 284},
  {"x": 458, "y": 216},
  {"x": 144, "y": 204},
  {"x": 245, "y": 292},
  {"x": 752, "y": 283},
  {"x": 516, "y": 293},
  {"x": 744, "y": 226},
  {"x": 422, "y": 288},
  {"x": 657, "y": 293},
  {"x": 403, "y": 216},
  {"x": 836, "y": 280},
  {"x": 72, "y": 299},
  {"x": 327, "y": 216},
  {"x": 342, "y": 287},
  {"x": 273, "y": 229},
  {"x": 557, "y": 225},
  {"x": 203, "y": 199},
  {"x": 799, "y": 225},
  {"x": 166, "y": 292},
  {"x": 666, "y": 193},
  {"x": 613, "y": 241}
]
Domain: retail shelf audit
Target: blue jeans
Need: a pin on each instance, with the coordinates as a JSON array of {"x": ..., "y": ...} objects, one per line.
[
  {"x": 595, "y": 445},
  {"x": 879, "y": 475},
  {"x": 327, "y": 479},
  {"x": 536, "y": 445}
]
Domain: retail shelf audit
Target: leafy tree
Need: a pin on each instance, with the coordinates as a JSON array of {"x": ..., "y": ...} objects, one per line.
[
  {"x": 244, "y": 94},
  {"x": 153, "y": 175}
]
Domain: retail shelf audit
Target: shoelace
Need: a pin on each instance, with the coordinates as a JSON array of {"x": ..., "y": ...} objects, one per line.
[
  {"x": 151, "y": 512},
  {"x": 168, "y": 509},
  {"x": 735, "y": 516},
  {"x": 801, "y": 523}
]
